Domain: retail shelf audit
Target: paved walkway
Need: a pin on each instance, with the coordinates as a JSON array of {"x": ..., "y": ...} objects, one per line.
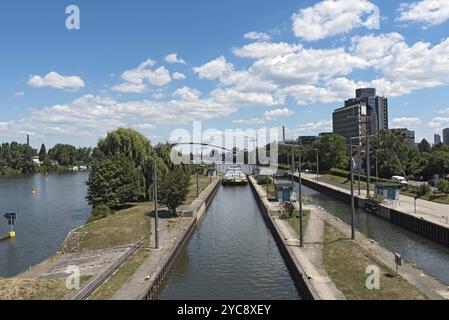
[
  {"x": 431, "y": 211},
  {"x": 310, "y": 256},
  {"x": 169, "y": 234}
]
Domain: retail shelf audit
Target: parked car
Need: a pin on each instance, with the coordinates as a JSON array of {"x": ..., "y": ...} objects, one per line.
[{"x": 399, "y": 179}]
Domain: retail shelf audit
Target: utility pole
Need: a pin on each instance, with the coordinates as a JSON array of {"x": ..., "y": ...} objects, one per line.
[
  {"x": 301, "y": 233},
  {"x": 368, "y": 168},
  {"x": 197, "y": 183},
  {"x": 377, "y": 169},
  {"x": 317, "y": 166},
  {"x": 293, "y": 165},
  {"x": 156, "y": 214},
  {"x": 352, "y": 164}
]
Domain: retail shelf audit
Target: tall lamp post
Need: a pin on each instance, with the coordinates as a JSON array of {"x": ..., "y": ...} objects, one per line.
[
  {"x": 301, "y": 233},
  {"x": 352, "y": 164},
  {"x": 364, "y": 119},
  {"x": 156, "y": 214}
]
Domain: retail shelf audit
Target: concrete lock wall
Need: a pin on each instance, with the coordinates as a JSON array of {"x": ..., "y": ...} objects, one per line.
[
  {"x": 303, "y": 284},
  {"x": 427, "y": 229},
  {"x": 196, "y": 210}
]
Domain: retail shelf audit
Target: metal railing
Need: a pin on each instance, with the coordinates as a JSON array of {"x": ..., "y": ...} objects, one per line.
[{"x": 87, "y": 290}]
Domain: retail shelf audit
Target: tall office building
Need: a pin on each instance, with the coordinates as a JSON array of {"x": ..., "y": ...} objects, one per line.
[
  {"x": 446, "y": 136},
  {"x": 436, "y": 139},
  {"x": 365, "y": 103}
]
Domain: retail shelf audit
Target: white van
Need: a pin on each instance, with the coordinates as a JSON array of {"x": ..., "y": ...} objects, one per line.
[{"x": 400, "y": 179}]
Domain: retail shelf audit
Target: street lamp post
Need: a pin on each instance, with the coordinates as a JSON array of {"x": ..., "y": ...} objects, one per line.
[
  {"x": 156, "y": 214},
  {"x": 301, "y": 233},
  {"x": 377, "y": 169},
  {"x": 197, "y": 183},
  {"x": 352, "y": 163}
]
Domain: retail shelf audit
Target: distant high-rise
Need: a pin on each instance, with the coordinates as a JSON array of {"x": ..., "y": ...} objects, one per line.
[
  {"x": 446, "y": 136},
  {"x": 436, "y": 139},
  {"x": 28, "y": 139},
  {"x": 366, "y": 103}
]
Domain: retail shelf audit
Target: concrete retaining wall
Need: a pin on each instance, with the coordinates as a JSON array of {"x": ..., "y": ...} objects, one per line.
[
  {"x": 197, "y": 209},
  {"x": 424, "y": 228},
  {"x": 303, "y": 284}
]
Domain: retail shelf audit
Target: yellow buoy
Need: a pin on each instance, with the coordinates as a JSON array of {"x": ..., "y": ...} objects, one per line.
[{"x": 12, "y": 234}]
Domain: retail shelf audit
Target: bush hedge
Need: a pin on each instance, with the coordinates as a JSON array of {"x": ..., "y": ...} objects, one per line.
[{"x": 347, "y": 174}]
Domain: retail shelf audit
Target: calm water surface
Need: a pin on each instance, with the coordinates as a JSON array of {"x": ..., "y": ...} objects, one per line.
[
  {"x": 231, "y": 255},
  {"x": 43, "y": 220}
]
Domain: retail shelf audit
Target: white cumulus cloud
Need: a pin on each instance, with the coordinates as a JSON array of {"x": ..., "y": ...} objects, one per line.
[
  {"x": 429, "y": 12},
  {"x": 257, "y": 36},
  {"x": 174, "y": 59},
  {"x": 332, "y": 17},
  {"x": 57, "y": 81}
]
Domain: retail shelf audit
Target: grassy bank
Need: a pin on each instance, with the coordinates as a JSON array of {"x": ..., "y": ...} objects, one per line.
[
  {"x": 116, "y": 281},
  {"x": 345, "y": 181},
  {"x": 140, "y": 227},
  {"x": 34, "y": 289},
  {"x": 294, "y": 220},
  {"x": 346, "y": 263}
]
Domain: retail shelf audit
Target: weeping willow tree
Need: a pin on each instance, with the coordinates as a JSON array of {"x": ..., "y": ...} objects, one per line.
[{"x": 146, "y": 158}]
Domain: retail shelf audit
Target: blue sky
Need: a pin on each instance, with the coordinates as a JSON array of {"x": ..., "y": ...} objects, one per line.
[{"x": 158, "y": 65}]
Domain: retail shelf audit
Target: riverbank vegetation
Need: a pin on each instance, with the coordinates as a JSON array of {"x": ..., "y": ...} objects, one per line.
[
  {"x": 123, "y": 171},
  {"x": 16, "y": 159},
  {"x": 35, "y": 289},
  {"x": 389, "y": 149}
]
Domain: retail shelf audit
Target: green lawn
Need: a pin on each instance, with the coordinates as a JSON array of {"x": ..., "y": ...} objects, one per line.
[
  {"x": 107, "y": 290},
  {"x": 110, "y": 232},
  {"x": 294, "y": 220},
  {"x": 346, "y": 263},
  {"x": 342, "y": 180},
  {"x": 34, "y": 289}
]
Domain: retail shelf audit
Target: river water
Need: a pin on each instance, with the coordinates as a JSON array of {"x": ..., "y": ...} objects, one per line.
[
  {"x": 231, "y": 255},
  {"x": 43, "y": 219}
]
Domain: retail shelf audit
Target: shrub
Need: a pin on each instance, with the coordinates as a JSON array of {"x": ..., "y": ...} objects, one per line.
[
  {"x": 347, "y": 174},
  {"x": 423, "y": 190},
  {"x": 99, "y": 212},
  {"x": 261, "y": 180},
  {"x": 443, "y": 186}
]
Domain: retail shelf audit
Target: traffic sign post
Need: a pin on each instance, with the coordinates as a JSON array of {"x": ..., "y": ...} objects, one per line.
[{"x": 11, "y": 217}]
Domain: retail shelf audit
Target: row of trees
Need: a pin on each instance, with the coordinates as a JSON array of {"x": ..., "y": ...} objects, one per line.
[
  {"x": 123, "y": 166},
  {"x": 389, "y": 148},
  {"x": 18, "y": 158},
  {"x": 15, "y": 157}
]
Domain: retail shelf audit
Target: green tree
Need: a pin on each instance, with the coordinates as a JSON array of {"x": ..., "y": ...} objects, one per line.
[
  {"x": 423, "y": 189},
  {"x": 424, "y": 146},
  {"x": 134, "y": 146},
  {"x": 391, "y": 153},
  {"x": 42, "y": 153},
  {"x": 333, "y": 151},
  {"x": 113, "y": 181},
  {"x": 173, "y": 189},
  {"x": 443, "y": 186},
  {"x": 64, "y": 154}
]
